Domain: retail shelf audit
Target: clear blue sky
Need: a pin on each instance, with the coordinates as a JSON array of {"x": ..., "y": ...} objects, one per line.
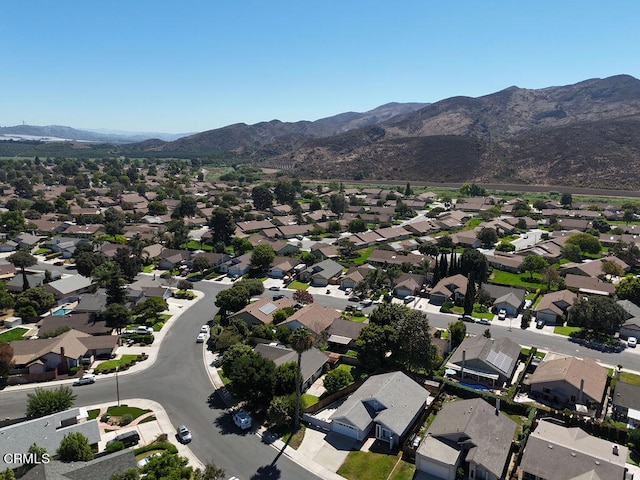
[{"x": 185, "y": 66}]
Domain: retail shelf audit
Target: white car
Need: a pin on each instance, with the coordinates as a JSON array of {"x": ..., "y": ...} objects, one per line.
[
  {"x": 632, "y": 342},
  {"x": 184, "y": 435},
  {"x": 204, "y": 329},
  {"x": 201, "y": 338},
  {"x": 274, "y": 288},
  {"x": 502, "y": 314},
  {"x": 85, "y": 380}
]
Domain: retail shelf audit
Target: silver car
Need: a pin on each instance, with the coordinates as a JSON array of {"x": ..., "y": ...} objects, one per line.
[{"x": 184, "y": 435}]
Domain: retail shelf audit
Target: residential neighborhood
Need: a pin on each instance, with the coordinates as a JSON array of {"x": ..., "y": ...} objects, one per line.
[{"x": 384, "y": 318}]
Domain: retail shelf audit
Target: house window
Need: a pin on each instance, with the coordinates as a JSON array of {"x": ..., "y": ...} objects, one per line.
[
  {"x": 546, "y": 390},
  {"x": 573, "y": 398}
]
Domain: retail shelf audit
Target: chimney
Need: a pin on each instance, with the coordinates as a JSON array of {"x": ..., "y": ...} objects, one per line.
[
  {"x": 497, "y": 407},
  {"x": 63, "y": 363},
  {"x": 581, "y": 390},
  {"x": 618, "y": 374},
  {"x": 615, "y": 449},
  {"x": 464, "y": 358}
]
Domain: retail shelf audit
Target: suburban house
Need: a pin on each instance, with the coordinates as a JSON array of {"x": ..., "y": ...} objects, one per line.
[
  {"x": 554, "y": 452},
  {"x": 592, "y": 268},
  {"x": 510, "y": 302},
  {"x": 589, "y": 285},
  {"x": 449, "y": 289},
  {"x": 553, "y": 306},
  {"x": 408, "y": 284},
  {"x": 631, "y": 325},
  {"x": 70, "y": 349},
  {"x": 569, "y": 382},
  {"x": 82, "y": 322},
  {"x": 214, "y": 259},
  {"x": 390, "y": 402},
  {"x": 63, "y": 245},
  {"x": 467, "y": 239},
  {"x": 237, "y": 265},
  {"x": 314, "y": 317},
  {"x": 73, "y": 285},
  {"x": 15, "y": 284},
  {"x": 353, "y": 276},
  {"x": 626, "y": 404},
  {"x": 487, "y": 360},
  {"x": 261, "y": 311},
  {"x": 282, "y": 266},
  {"x": 47, "y": 432},
  {"x": 343, "y": 334},
  {"x": 470, "y": 432},
  {"x": 312, "y": 365},
  {"x": 100, "y": 468},
  {"x": 324, "y": 251},
  {"x": 170, "y": 258},
  {"x": 507, "y": 262},
  {"x": 26, "y": 241},
  {"x": 321, "y": 273}
]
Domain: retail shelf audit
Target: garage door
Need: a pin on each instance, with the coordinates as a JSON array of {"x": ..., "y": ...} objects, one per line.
[
  {"x": 435, "y": 469},
  {"x": 346, "y": 430}
]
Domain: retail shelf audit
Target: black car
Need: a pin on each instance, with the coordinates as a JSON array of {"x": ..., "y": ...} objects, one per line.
[
  {"x": 278, "y": 297},
  {"x": 467, "y": 318}
]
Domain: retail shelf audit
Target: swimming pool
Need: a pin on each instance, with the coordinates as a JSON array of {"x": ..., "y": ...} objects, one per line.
[
  {"x": 475, "y": 386},
  {"x": 61, "y": 311}
]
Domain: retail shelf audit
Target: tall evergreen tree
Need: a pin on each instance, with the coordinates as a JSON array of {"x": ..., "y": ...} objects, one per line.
[
  {"x": 470, "y": 294},
  {"x": 444, "y": 266}
]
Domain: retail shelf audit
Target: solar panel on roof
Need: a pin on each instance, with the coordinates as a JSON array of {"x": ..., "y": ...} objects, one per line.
[
  {"x": 268, "y": 309},
  {"x": 499, "y": 360}
]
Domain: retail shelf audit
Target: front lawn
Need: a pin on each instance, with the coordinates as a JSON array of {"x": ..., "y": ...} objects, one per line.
[
  {"x": 13, "y": 334},
  {"x": 294, "y": 440},
  {"x": 363, "y": 255},
  {"x": 125, "y": 361},
  {"x": 298, "y": 286},
  {"x": 119, "y": 411},
  {"x": 566, "y": 331},
  {"x": 369, "y": 465}
]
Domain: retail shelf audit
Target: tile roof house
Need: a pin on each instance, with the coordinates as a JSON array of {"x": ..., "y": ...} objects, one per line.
[
  {"x": 354, "y": 275},
  {"x": 282, "y": 266},
  {"x": 390, "y": 403},
  {"x": 489, "y": 360},
  {"x": 470, "y": 432},
  {"x": 261, "y": 311},
  {"x": 554, "y": 452},
  {"x": 312, "y": 364},
  {"x": 553, "y": 306},
  {"x": 569, "y": 381},
  {"x": 507, "y": 262},
  {"x": 47, "y": 432},
  {"x": 316, "y": 318},
  {"x": 592, "y": 268},
  {"x": 408, "y": 284},
  {"x": 631, "y": 326},
  {"x": 449, "y": 289}
]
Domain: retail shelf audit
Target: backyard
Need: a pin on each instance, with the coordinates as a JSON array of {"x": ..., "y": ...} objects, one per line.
[{"x": 13, "y": 334}]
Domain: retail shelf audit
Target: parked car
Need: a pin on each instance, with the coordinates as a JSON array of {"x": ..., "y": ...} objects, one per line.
[
  {"x": 85, "y": 380},
  {"x": 467, "y": 318},
  {"x": 355, "y": 298},
  {"x": 502, "y": 314},
  {"x": 409, "y": 299},
  {"x": 366, "y": 302},
  {"x": 201, "y": 338},
  {"x": 274, "y": 288},
  {"x": 540, "y": 323},
  {"x": 632, "y": 342},
  {"x": 204, "y": 329},
  {"x": 484, "y": 321},
  {"x": 144, "y": 330},
  {"x": 415, "y": 441},
  {"x": 242, "y": 419},
  {"x": 128, "y": 439},
  {"x": 278, "y": 297},
  {"x": 184, "y": 435}
]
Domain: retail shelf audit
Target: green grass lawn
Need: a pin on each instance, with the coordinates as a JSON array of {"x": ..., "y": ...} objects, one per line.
[
  {"x": 628, "y": 377},
  {"x": 13, "y": 334},
  {"x": 372, "y": 466},
  {"x": 112, "y": 364},
  {"x": 516, "y": 279},
  {"x": 472, "y": 223},
  {"x": 294, "y": 440},
  {"x": 298, "y": 286},
  {"x": 148, "y": 268},
  {"x": 307, "y": 400},
  {"x": 356, "y": 372},
  {"x": 566, "y": 331},
  {"x": 119, "y": 411},
  {"x": 363, "y": 255}
]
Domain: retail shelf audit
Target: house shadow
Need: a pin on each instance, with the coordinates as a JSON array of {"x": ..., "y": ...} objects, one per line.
[
  {"x": 340, "y": 442},
  {"x": 379, "y": 446},
  {"x": 215, "y": 402}
]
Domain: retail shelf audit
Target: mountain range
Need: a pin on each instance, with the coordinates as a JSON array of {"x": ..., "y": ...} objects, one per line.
[{"x": 586, "y": 134}]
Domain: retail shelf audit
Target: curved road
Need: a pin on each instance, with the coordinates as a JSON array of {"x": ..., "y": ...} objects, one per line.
[{"x": 179, "y": 381}]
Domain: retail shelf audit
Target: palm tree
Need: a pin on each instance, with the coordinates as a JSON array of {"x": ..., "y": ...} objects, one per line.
[{"x": 301, "y": 341}]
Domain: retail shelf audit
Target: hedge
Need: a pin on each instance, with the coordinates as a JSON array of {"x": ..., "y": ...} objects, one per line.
[{"x": 169, "y": 447}]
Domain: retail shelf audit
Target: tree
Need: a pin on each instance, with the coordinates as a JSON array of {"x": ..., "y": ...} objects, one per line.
[
  {"x": 211, "y": 472},
  {"x": 232, "y": 299},
  {"x": 285, "y": 379},
  {"x": 571, "y": 252},
  {"x": 611, "y": 268},
  {"x": 445, "y": 243},
  {"x": 254, "y": 285},
  {"x": 262, "y": 197},
  {"x": 201, "y": 263},
  {"x": 86, "y": 262},
  {"x": 347, "y": 247},
  {"x": 549, "y": 275},
  {"x": 587, "y": 243},
  {"x": 6, "y": 299},
  {"x": 458, "y": 331},
  {"x": 188, "y": 207},
  {"x": 470, "y": 295},
  {"x": 39, "y": 453},
  {"x": 262, "y": 256},
  {"x": 151, "y": 307},
  {"x": 301, "y": 341},
  {"x": 629, "y": 289},
  {"x": 357, "y": 225},
  {"x": 566, "y": 199},
  {"x": 473, "y": 260},
  {"x": 628, "y": 215},
  {"x": 533, "y": 264},
  {"x": 281, "y": 410},
  {"x": 22, "y": 259},
  {"x": 628, "y": 252},
  {"x": 337, "y": 203},
  {"x": 75, "y": 447},
  {"x": 37, "y": 298},
  {"x": 597, "y": 316},
  {"x": 116, "y": 289},
  {"x": 303, "y": 297},
  {"x": 45, "y": 402},
  {"x": 415, "y": 352},
  {"x": 222, "y": 226},
  {"x": 284, "y": 192},
  {"x": 114, "y": 222},
  {"x": 6, "y": 355},
  {"x": 252, "y": 378},
  {"x": 487, "y": 333},
  {"x": 117, "y": 316},
  {"x": 487, "y": 236},
  {"x": 601, "y": 225},
  {"x": 168, "y": 467},
  {"x": 128, "y": 263},
  {"x": 337, "y": 379}
]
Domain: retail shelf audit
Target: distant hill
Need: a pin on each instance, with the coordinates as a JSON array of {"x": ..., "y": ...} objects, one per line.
[{"x": 57, "y": 133}]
